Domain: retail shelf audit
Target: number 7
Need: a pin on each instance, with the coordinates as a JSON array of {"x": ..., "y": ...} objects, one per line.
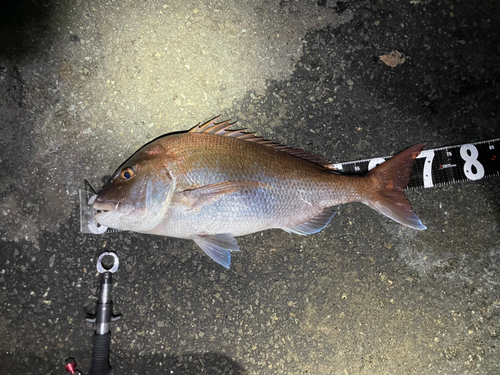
[{"x": 429, "y": 157}]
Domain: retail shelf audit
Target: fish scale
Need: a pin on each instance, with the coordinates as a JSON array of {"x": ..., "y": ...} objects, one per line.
[{"x": 258, "y": 206}]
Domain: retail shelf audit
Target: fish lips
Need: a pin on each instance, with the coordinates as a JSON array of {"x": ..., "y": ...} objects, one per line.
[{"x": 103, "y": 208}]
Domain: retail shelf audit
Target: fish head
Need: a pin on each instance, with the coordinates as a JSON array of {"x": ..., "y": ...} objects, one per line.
[{"x": 138, "y": 194}]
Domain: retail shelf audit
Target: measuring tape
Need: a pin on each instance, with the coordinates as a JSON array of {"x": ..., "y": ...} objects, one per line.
[{"x": 442, "y": 166}]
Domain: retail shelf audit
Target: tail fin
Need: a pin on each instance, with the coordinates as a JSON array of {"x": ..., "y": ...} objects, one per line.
[{"x": 391, "y": 178}]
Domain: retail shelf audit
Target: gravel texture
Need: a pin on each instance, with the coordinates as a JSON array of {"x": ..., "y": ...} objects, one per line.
[{"x": 85, "y": 84}]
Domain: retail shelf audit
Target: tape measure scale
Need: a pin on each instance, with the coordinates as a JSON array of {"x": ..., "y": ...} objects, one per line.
[{"x": 442, "y": 166}]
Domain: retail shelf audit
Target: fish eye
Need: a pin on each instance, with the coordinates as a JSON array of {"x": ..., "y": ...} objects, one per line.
[{"x": 127, "y": 173}]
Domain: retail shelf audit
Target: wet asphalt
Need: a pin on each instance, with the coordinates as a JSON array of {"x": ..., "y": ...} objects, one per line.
[{"x": 84, "y": 84}]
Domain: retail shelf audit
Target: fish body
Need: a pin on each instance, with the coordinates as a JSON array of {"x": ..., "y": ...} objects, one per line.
[{"x": 212, "y": 184}]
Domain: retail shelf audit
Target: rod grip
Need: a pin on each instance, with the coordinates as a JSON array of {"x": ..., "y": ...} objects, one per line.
[{"x": 100, "y": 355}]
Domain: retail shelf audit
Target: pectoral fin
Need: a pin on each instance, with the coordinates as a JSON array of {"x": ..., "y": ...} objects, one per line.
[
  {"x": 196, "y": 198},
  {"x": 315, "y": 225},
  {"x": 218, "y": 247}
]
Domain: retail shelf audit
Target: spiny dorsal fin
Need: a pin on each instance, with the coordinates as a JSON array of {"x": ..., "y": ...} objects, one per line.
[{"x": 221, "y": 128}]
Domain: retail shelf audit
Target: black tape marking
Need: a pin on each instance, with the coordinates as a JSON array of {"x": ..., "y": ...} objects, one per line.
[{"x": 442, "y": 166}]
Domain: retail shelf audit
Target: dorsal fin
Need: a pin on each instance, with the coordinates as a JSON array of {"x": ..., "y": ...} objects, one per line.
[{"x": 221, "y": 128}]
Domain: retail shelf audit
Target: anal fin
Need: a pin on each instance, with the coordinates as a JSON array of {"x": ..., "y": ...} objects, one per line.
[
  {"x": 218, "y": 247},
  {"x": 315, "y": 225}
]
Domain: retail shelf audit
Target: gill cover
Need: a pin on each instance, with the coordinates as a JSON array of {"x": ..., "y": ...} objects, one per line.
[{"x": 157, "y": 201}]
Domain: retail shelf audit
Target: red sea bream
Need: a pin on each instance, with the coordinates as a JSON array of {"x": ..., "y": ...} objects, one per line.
[{"x": 212, "y": 184}]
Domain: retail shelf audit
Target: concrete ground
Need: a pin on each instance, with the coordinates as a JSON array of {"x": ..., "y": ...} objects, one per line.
[{"x": 85, "y": 84}]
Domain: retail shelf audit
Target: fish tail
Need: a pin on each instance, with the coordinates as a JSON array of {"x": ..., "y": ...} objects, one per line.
[{"x": 391, "y": 178}]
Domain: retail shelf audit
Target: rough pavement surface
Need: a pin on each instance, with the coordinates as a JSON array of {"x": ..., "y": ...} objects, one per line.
[{"x": 85, "y": 84}]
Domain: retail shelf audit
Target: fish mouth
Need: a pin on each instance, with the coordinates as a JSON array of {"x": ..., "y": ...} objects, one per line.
[{"x": 101, "y": 208}]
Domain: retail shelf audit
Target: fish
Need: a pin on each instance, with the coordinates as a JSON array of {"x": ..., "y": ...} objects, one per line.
[{"x": 212, "y": 184}]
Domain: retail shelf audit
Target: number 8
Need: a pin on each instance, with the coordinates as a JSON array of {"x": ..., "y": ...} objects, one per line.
[{"x": 469, "y": 153}]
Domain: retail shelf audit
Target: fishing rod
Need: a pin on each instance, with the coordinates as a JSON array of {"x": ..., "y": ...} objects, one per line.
[{"x": 102, "y": 319}]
